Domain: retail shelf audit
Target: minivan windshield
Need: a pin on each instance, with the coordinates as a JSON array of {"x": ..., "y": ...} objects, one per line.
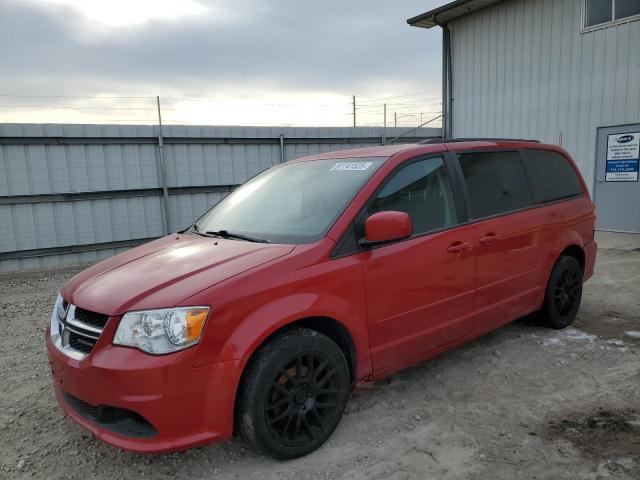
[{"x": 292, "y": 203}]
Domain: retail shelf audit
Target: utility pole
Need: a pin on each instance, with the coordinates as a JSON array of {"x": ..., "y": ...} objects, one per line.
[
  {"x": 354, "y": 110},
  {"x": 385, "y": 116},
  {"x": 384, "y": 126},
  {"x": 163, "y": 172},
  {"x": 395, "y": 119}
]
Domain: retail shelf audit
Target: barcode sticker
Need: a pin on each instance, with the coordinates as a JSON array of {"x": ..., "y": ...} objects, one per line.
[{"x": 350, "y": 166}]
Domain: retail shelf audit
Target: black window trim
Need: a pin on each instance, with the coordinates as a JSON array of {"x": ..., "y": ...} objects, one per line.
[
  {"x": 519, "y": 151},
  {"x": 460, "y": 194},
  {"x": 564, "y": 198},
  {"x": 456, "y": 189},
  {"x": 341, "y": 250},
  {"x": 611, "y": 23}
]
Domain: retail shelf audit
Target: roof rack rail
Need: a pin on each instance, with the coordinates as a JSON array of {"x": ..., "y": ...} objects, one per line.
[{"x": 478, "y": 139}]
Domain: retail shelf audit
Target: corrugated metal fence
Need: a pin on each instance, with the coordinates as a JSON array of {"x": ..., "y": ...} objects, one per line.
[{"x": 80, "y": 193}]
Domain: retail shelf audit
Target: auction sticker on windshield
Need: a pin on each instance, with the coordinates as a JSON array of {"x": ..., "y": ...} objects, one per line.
[{"x": 344, "y": 166}]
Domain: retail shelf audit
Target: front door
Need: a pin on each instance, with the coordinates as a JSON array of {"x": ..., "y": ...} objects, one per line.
[
  {"x": 420, "y": 291},
  {"x": 617, "y": 188}
]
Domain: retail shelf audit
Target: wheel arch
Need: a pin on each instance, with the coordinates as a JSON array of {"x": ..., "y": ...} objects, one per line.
[
  {"x": 576, "y": 252},
  {"x": 569, "y": 243},
  {"x": 328, "y": 326}
]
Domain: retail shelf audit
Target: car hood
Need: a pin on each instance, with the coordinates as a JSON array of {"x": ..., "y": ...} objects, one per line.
[{"x": 164, "y": 272}]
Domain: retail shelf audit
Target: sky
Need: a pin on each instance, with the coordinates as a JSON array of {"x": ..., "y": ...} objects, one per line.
[{"x": 218, "y": 62}]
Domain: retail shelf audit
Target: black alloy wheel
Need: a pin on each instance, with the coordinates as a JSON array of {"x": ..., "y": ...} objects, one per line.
[
  {"x": 293, "y": 393},
  {"x": 303, "y": 399},
  {"x": 563, "y": 293}
]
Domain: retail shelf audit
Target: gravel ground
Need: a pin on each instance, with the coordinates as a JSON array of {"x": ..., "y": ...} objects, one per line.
[{"x": 522, "y": 402}]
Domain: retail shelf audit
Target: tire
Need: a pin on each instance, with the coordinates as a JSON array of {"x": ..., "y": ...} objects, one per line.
[
  {"x": 563, "y": 294},
  {"x": 293, "y": 393}
]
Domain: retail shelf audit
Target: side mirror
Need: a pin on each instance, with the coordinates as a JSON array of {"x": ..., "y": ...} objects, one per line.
[{"x": 387, "y": 226}]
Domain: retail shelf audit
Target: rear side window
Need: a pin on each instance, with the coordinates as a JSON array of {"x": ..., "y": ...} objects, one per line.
[
  {"x": 551, "y": 176},
  {"x": 496, "y": 182},
  {"x": 421, "y": 189}
]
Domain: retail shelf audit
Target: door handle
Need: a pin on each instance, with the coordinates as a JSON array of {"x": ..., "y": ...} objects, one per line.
[
  {"x": 456, "y": 247},
  {"x": 488, "y": 239}
]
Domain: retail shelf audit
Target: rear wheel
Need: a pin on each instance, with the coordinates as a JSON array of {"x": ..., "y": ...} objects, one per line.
[
  {"x": 293, "y": 393},
  {"x": 563, "y": 294}
]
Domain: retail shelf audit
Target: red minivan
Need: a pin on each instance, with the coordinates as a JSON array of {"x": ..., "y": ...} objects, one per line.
[{"x": 314, "y": 276}]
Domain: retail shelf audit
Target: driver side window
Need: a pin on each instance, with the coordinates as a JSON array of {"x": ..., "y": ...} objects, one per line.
[{"x": 423, "y": 190}]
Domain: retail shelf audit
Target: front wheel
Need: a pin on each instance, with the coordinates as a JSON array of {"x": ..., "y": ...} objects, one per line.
[
  {"x": 293, "y": 393},
  {"x": 563, "y": 294}
]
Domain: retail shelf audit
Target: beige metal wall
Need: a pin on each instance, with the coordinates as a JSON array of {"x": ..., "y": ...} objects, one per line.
[{"x": 524, "y": 68}]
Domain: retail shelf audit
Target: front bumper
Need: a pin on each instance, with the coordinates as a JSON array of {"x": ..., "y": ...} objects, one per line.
[{"x": 186, "y": 406}]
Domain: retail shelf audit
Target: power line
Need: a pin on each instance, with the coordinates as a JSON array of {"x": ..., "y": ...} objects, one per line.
[
  {"x": 406, "y": 104},
  {"x": 431, "y": 101},
  {"x": 235, "y": 102},
  {"x": 71, "y": 96},
  {"x": 418, "y": 98},
  {"x": 415, "y": 104},
  {"x": 380, "y": 108},
  {"x": 120, "y": 120},
  {"x": 396, "y": 96},
  {"x": 79, "y": 108}
]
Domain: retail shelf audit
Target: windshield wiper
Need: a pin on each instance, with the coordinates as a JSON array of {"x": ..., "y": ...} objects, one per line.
[
  {"x": 197, "y": 230},
  {"x": 239, "y": 236}
]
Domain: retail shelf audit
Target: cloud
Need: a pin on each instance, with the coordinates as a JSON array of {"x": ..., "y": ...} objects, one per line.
[
  {"x": 118, "y": 13},
  {"x": 234, "y": 49}
]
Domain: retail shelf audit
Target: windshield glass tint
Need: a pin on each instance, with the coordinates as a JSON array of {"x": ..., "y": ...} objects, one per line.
[{"x": 292, "y": 203}]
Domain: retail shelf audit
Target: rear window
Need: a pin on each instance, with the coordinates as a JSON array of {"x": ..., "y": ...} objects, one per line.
[
  {"x": 551, "y": 176},
  {"x": 496, "y": 182}
]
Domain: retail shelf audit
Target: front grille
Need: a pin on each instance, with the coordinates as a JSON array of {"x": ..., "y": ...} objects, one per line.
[
  {"x": 83, "y": 408},
  {"x": 92, "y": 318},
  {"x": 75, "y": 330},
  {"x": 81, "y": 343},
  {"x": 119, "y": 420}
]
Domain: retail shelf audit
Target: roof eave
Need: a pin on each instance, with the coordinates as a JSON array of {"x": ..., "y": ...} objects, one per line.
[
  {"x": 445, "y": 13},
  {"x": 422, "y": 21}
]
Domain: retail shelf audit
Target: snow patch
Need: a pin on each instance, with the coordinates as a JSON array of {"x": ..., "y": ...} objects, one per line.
[
  {"x": 575, "y": 335},
  {"x": 568, "y": 335},
  {"x": 632, "y": 334},
  {"x": 553, "y": 342}
]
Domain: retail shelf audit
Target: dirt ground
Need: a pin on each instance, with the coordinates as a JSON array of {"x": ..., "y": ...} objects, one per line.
[{"x": 524, "y": 402}]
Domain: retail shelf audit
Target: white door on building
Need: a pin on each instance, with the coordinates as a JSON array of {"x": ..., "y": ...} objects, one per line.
[{"x": 617, "y": 188}]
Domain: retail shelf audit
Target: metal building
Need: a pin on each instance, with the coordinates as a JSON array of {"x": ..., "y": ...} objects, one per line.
[{"x": 562, "y": 71}]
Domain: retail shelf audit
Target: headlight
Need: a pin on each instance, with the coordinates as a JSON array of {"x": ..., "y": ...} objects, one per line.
[{"x": 162, "y": 331}]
